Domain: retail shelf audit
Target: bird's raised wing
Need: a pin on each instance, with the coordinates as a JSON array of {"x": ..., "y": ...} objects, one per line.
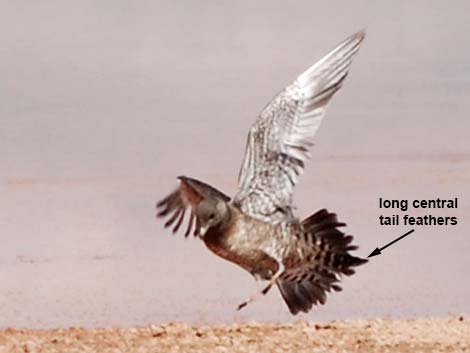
[
  {"x": 279, "y": 141},
  {"x": 188, "y": 195}
]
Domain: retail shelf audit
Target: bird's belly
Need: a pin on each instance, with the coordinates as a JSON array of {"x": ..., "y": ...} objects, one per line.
[
  {"x": 257, "y": 262},
  {"x": 253, "y": 260}
]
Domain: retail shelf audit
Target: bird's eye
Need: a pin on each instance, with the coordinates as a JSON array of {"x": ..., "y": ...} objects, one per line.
[{"x": 211, "y": 216}]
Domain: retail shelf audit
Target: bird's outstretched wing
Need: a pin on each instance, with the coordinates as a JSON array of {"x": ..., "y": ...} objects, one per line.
[
  {"x": 279, "y": 141},
  {"x": 188, "y": 195}
]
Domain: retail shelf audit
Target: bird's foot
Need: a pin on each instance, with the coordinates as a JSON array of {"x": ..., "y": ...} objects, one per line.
[
  {"x": 242, "y": 305},
  {"x": 264, "y": 291}
]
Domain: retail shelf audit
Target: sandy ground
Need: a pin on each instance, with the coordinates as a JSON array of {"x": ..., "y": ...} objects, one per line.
[{"x": 451, "y": 334}]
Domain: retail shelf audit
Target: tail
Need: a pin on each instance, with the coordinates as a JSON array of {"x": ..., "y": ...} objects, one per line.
[{"x": 326, "y": 256}]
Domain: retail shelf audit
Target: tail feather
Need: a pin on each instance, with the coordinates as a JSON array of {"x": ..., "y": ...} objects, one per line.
[{"x": 327, "y": 256}]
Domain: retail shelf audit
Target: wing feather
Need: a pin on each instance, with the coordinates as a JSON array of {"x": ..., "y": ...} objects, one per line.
[
  {"x": 280, "y": 140},
  {"x": 188, "y": 195}
]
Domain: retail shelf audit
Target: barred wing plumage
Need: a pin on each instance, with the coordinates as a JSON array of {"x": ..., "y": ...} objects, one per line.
[
  {"x": 187, "y": 196},
  {"x": 279, "y": 141}
]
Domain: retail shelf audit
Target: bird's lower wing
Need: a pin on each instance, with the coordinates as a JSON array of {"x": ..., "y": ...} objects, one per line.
[{"x": 185, "y": 200}]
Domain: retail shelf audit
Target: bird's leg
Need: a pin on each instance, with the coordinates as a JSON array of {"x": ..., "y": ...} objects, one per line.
[{"x": 266, "y": 289}]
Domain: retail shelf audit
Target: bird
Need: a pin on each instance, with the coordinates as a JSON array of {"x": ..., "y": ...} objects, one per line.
[{"x": 256, "y": 229}]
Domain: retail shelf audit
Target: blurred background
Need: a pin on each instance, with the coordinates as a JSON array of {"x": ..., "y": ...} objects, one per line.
[{"x": 105, "y": 103}]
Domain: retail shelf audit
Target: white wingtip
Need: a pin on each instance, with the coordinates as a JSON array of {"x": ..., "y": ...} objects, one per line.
[
  {"x": 360, "y": 35},
  {"x": 347, "y": 47}
]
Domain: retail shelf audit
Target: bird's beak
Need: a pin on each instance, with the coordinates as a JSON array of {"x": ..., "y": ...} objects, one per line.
[{"x": 202, "y": 230}]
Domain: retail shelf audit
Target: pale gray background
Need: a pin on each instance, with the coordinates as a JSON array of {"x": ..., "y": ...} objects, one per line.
[{"x": 103, "y": 103}]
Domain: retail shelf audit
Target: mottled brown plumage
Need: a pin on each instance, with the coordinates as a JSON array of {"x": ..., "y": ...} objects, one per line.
[{"x": 257, "y": 229}]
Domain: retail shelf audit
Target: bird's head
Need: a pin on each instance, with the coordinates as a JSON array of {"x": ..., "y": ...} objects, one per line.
[{"x": 211, "y": 213}]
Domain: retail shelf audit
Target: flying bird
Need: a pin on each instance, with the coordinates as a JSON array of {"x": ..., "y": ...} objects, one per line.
[{"x": 257, "y": 229}]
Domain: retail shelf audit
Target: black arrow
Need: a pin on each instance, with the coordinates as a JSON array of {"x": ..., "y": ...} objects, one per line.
[{"x": 378, "y": 251}]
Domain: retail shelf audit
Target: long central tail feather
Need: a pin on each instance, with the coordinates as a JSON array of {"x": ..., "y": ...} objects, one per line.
[{"x": 327, "y": 257}]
